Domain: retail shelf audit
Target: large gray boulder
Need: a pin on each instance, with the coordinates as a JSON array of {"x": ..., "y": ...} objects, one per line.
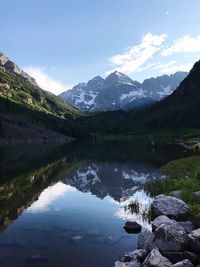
[
  {"x": 170, "y": 236},
  {"x": 169, "y": 206},
  {"x": 145, "y": 239},
  {"x": 136, "y": 255},
  {"x": 184, "y": 263},
  {"x": 159, "y": 221},
  {"x": 194, "y": 237},
  {"x": 155, "y": 259}
]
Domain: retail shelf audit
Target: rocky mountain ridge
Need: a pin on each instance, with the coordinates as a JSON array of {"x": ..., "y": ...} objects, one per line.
[{"x": 118, "y": 91}]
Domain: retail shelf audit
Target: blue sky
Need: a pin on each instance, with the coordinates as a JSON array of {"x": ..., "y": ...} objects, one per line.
[{"x": 62, "y": 42}]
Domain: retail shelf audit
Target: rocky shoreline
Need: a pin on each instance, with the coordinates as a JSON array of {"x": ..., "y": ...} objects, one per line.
[{"x": 171, "y": 242}]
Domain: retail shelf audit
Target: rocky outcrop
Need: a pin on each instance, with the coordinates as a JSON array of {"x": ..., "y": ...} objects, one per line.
[
  {"x": 169, "y": 206},
  {"x": 155, "y": 259},
  {"x": 8, "y": 65}
]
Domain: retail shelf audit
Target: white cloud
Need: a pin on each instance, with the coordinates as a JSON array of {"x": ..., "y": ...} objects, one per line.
[
  {"x": 135, "y": 57},
  {"x": 49, "y": 195},
  {"x": 185, "y": 44},
  {"x": 172, "y": 67},
  {"x": 45, "y": 81}
]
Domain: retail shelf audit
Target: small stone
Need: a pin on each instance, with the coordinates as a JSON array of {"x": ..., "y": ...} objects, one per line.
[
  {"x": 196, "y": 196},
  {"x": 132, "y": 227},
  {"x": 184, "y": 263},
  {"x": 155, "y": 259}
]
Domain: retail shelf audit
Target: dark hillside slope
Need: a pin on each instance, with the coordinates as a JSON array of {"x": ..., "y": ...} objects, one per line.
[
  {"x": 31, "y": 109},
  {"x": 179, "y": 110}
]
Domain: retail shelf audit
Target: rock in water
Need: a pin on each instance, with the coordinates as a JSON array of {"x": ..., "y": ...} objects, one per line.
[
  {"x": 136, "y": 255},
  {"x": 145, "y": 239},
  {"x": 155, "y": 259},
  {"x": 194, "y": 237},
  {"x": 170, "y": 236},
  {"x": 169, "y": 206},
  {"x": 127, "y": 264},
  {"x": 184, "y": 263},
  {"x": 132, "y": 227}
]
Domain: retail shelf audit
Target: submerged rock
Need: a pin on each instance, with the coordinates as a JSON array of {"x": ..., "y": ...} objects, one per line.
[
  {"x": 36, "y": 258},
  {"x": 127, "y": 264},
  {"x": 145, "y": 239},
  {"x": 184, "y": 263},
  {"x": 169, "y": 206},
  {"x": 155, "y": 259},
  {"x": 132, "y": 227}
]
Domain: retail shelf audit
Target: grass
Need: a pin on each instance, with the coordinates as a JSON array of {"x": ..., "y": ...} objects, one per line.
[{"x": 184, "y": 175}]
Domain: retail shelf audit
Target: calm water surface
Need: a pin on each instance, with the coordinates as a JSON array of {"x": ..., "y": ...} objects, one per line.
[{"x": 65, "y": 205}]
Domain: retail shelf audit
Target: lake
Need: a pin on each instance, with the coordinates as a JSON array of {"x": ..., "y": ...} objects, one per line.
[{"x": 66, "y": 205}]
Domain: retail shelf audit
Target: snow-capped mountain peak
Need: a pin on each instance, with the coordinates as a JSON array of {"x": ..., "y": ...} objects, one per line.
[{"x": 118, "y": 91}]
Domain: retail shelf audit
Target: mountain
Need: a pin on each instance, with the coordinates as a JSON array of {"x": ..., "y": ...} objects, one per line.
[
  {"x": 178, "y": 111},
  {"x": 181, "y": 108},
  {"x": 118, "y": 91},
  {"x": 26, "y": 110}
]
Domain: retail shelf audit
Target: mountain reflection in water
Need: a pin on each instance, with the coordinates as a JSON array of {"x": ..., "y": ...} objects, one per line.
[{"x": 60, "y": 201}]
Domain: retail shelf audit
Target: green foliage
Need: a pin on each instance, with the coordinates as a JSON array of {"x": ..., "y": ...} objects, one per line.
[
  {"x": 184, "y": 175},
  {"x": 31, "y": 104}
]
